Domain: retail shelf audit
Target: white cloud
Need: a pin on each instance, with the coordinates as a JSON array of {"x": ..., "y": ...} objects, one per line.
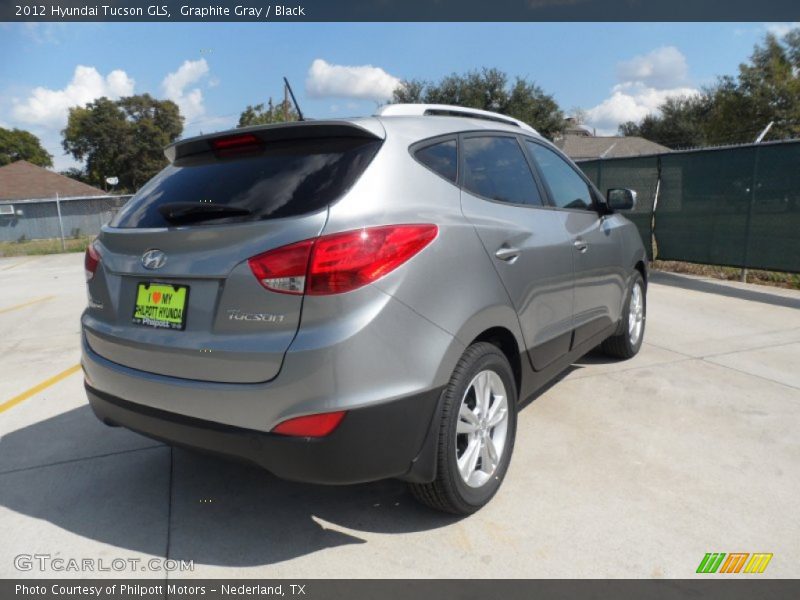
[
  {"x": 780, "y": 29},
  {"x": 175, "y": 84},
  {"x": 645, "y": 82},
  {"x": 44, "y": 111},
  {"x": 630, "y": 102},
  {"x": 662, "y": 68},
  {"x": 49, "y": 108},
  {"x": 340, "y": 81}
]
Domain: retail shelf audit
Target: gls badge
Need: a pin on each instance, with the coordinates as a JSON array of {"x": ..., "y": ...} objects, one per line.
[{"x": 154, "y": 259}]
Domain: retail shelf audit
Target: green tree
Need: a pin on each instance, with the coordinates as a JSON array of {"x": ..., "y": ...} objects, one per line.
[
  {"x": 124, "y": 138},
  {"x": 75, "y": 173},
  {"x": 260, "y": 114},
  {"x": 489, "y": 89},
  {"x": 18, "y": 144},
  {"x": 767, "y": 89},
  {"x": 737, "y": 108},
  {"x": 681, "y": 123}
]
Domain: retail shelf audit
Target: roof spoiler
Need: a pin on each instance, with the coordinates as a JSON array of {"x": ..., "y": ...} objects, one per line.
[
  {"x": 447, "y": 110},
  {"x": 277, "y": 132}
]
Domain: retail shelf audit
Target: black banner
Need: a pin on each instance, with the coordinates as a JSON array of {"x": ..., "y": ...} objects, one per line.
[
  {"x": 400, "y": 10},
  {"x": 335, "y": 589}
]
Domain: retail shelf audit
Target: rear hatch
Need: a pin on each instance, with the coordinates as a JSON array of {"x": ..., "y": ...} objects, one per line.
[{"x": 173, "y": 293}]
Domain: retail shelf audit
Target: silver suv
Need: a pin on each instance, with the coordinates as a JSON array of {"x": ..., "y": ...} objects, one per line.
[{"x": 351, "y": 300}]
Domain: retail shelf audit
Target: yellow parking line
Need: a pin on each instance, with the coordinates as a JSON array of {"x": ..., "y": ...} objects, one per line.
[
  {"x": 21, "y": 262},
  {"x": 38, "y": 388},
  {"x": 24, "y": 304}
]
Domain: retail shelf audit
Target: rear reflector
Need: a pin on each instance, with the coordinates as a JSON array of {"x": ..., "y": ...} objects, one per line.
[
  {"x": 340, "y": 262},
  {"x": 90, "y": 261},
  {"x": 311, "y": 425}
]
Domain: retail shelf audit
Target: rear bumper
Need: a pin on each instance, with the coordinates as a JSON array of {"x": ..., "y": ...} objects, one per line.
[{"x": 377, "y": 442}]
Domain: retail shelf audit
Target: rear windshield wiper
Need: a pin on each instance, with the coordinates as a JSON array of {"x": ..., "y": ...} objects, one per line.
[{"x": 192, "y": 212}]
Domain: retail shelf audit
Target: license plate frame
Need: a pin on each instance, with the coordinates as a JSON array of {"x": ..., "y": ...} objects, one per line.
[{"x": 156, "y": 314}]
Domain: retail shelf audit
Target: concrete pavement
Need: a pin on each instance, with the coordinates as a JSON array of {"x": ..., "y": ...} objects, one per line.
[{"x": 621, "y": 469}]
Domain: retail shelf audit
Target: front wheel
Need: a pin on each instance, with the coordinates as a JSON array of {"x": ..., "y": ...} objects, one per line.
[
  {"x": 628, "y": 340},
  {"x": 477, "y": 431}
]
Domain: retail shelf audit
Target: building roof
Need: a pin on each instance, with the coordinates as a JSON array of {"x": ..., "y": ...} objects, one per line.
[
  {"x": 582, "y": 147},
  {"x": 21, "y": 180}
]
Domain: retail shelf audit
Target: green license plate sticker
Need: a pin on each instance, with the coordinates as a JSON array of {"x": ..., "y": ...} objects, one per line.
[{"x": 161, "y": 305}]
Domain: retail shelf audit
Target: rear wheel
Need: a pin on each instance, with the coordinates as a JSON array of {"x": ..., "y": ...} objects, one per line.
[
  {"x": 628, "y": 340},
  {"x": 477, "y": 431}
]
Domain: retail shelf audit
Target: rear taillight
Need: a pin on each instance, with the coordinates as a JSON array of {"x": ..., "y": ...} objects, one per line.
[
  {"x": 345, "y": 261},
  {"x": 90, "y": 261},
  {"x": 340, "y": 262},
  {"x": 284, "y": 269},
  {"x": 311, "y": 425}
]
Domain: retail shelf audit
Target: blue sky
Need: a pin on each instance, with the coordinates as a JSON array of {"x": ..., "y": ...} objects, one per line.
[{"x": 613, "y": 71}]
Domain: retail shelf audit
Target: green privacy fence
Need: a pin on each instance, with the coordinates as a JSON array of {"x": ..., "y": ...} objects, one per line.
[
  {"x": 737, "y": 206},
  {"x": 638, "y": 173}
]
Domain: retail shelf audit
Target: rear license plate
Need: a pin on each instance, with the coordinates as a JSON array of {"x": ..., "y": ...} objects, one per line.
[{"x": 161, "y": 305}]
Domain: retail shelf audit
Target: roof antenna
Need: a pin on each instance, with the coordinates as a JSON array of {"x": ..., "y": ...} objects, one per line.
[{"x": 294, "y": 100}]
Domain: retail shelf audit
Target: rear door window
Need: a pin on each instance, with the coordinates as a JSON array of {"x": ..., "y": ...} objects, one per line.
[
  {"x": 442, "y": 158},
  {"x": 284, "y": 179},
  {"x": 496, "y": 168}
]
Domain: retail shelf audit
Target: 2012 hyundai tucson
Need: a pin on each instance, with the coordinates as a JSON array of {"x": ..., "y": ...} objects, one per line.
[{"x": 350, "y": 300}]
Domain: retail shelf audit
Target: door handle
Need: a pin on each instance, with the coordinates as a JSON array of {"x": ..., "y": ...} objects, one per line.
[
  {"x": 507, "y": 253},
  {"x": 580, "y": 245}
]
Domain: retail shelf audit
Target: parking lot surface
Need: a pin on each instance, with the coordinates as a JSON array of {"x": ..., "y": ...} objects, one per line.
[{"x": 621, "y": 469}]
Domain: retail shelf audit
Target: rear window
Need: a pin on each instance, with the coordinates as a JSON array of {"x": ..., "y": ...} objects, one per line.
[
  {"x": 285, "y": 179},
  {"x": 441, "y": 158}
]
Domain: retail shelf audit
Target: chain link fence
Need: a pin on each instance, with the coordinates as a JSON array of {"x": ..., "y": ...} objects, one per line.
[
  {"x": 736, "y": 206},
  {"x": 49, "y": 218}
]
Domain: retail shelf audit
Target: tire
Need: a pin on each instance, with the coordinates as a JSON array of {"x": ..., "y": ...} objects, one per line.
[
  {"x": 482, "y": 366},
  {"x": 622, "y": 344}
]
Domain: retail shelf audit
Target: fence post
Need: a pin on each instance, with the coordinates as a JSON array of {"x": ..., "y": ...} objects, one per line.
[
  {"x": 600, "y": 177},
  {"x": 60, "y": 224},
  {"x": 656, "y": 194},
  {"x": 743, "y": 278}
]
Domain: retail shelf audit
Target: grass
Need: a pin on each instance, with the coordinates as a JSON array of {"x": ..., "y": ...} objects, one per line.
[
  {"x": 772, "y": 278},
  {"x": 36, "y": 247}
]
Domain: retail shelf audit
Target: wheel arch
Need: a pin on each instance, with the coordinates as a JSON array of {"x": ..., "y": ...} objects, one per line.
[
  {"x": 497, "y": 324},
  {"x": 505, "y": 341},
  {"x": 640, "y": 266}
]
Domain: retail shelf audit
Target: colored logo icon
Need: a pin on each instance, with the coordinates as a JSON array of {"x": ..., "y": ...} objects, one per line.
[{"x": 735, "y": 562}]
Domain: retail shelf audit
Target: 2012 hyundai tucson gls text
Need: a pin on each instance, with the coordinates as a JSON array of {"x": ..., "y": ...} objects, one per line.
[{"x": 350, "y": 300}]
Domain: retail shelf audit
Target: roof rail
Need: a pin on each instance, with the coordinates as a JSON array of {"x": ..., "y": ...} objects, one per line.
[{"x": 447, "y": 110}]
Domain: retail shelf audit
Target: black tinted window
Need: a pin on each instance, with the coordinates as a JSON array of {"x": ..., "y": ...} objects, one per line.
[
  {"x": 567, "y": 188},
  {"x": 285, "y": 179},
  {"x": 495, "y": 168},
  {"x": 441, "y": 157}
]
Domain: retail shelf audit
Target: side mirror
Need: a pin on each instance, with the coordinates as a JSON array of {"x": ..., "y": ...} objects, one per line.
[{"x": 621, "y": 199}]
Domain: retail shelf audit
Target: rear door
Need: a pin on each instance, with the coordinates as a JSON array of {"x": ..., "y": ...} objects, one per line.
[
  {"x": 599, "y": 276},
  {"x": 266, "y": 192},
  {"x": 526, "y": 241}
]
